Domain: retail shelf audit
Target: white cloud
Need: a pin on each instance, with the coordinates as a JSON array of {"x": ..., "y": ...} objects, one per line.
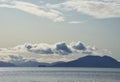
[
  {"x": 95, "y": 8},
  {"x": 99, "y": 9},
  {"x": 75, "y": 22},
  {"x": 33, "y": 9},
  {"x": 44, "y": 52},
  {"x": 60, "y": 48}
]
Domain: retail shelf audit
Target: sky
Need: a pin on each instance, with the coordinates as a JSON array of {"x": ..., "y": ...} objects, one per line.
[{"x": 58, "y": 30}]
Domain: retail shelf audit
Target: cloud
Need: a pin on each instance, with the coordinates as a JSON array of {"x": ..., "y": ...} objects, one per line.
[
  {"x": 75, "y": 22},
  {"x": 61, "y": 11},
  {"x": 21, "y": 61},
  {"x": 33, "y": 9},
  {"x": 41, "y": 48},
  {"x": 98, "y": 9},
  {"x": 87, "y": 52},
  {"x": 44, "y": 52},
  {"x": 62, "y": 48},
  {"x": 79, "y": 46},
  {"x": 16, "y": 59}
]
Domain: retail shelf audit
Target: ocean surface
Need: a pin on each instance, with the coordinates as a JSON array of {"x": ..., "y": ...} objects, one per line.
[{"x": 53, "y": 74}]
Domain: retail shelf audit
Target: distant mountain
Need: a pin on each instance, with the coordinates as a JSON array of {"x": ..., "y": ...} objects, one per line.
[
  {"x": 90, "y": 61},
  {"x": 87, "y": 61},
  {"x": 31, "y": 64},
  {"x": 6, "y": 64}
]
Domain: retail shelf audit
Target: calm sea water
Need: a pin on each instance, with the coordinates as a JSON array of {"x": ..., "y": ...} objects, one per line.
[{"x": 59, "y": 75}]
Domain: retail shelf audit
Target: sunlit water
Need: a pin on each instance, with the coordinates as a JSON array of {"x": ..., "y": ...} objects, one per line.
[{"x": 59, "y": 75}]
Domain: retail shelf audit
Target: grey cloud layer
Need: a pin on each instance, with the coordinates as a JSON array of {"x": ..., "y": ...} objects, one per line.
[{"x": 57, "y": 12}]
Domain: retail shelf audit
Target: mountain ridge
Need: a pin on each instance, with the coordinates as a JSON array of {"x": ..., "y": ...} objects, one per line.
[
  {"x": 91, "y": 61},
  {"x": 6, "y": 64},
  {"x": 86, "y": 61}
]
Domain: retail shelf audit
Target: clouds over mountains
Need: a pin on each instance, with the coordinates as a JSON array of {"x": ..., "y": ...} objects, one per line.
[
  {"x": 44, "y": 52},
  {"x": 59, "y": 11}
]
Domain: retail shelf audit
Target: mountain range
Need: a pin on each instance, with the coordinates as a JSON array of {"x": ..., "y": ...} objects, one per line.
[
  {"x": 89, "y": 61},
  {"x": 6, "y": 64},
  {"x": 86, "y": 61}
]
